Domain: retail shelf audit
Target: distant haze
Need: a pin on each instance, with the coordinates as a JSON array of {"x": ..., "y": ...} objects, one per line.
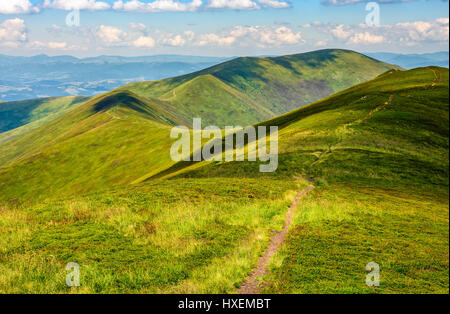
[
  {"x": 44, "y": 76},
  {"x": 411, "y": 61}
]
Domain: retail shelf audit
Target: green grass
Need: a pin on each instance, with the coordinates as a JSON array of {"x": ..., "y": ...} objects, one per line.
[
  {"x": 381, "y": 172},
  {"x": 219, "y": 103},
  {"x": 19, "y": 113},
  {"x": 339, "y": 229},
  {"x": 377, "y": 154},
  {"x": 245, "y": 91},
  {"x": 196, "y": 236},
  {"x": 109, "y": 141}
]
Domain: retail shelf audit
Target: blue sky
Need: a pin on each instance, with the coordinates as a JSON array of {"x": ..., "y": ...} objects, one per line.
[{"x": 220, "y": 27}]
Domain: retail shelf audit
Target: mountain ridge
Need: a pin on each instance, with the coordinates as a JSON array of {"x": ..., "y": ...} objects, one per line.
[{"x": 278, "y": 84}]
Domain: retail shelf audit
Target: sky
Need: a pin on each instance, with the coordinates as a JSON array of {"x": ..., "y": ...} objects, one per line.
[{"x": 86, "y": 28}]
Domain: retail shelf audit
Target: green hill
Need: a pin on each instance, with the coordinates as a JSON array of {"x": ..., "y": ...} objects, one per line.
[
  {"x": 107, "y": 141},
  {"x": 377, "y": 154},
  {"x": 18, "y": 113},
  {"x": 363, "y": 120},
  {"x": 271, "y": 86},
  {"x": 20, "y": 117},
  {"x": 212, "y": 93}
]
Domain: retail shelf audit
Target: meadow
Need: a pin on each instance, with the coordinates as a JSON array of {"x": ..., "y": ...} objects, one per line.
[
  {"x": 183, "y": 236},
  {"x": 377, "y": 154}
]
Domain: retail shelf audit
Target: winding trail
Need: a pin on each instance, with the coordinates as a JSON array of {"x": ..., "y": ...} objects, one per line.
[
  {"x": 438, "y": 76},
  {"x": 345, "y": 129},
  {"x": 251, "y": 285}
]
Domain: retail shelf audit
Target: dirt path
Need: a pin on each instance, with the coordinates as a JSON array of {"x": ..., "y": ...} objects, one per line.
[
  {"x": 251, "y": 285},
  {"x": 438, "y": 75},
  {"x": 345, "y": 129}
]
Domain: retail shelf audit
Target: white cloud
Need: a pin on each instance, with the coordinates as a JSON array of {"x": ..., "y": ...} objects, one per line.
[
  {"x": 233, "y": 4},
  {"x": 91, "y": 5},
  {"x": 17, "y": 7},
  {"x": 144, "y": 42},
  {"x": 341, "y": 31},
  {"x": 57, "y": 45},
  {"x": 437, "y": 30},
  {"x": 172, "y": 40},
  {"x": 366, "y": 38},
  {"x": 54, "y": 45},
  {"x": 111, "y": 36},
  {"x": 157, "y": 6},
  {"x": 190, "y": 35},
  {"x": 285, "y": 35},
  {"x": 274, "y": 4},
  {"x": 138, "y": 27},
  {"x": 13, "y": 33},
  {"x": 404, "y": 34},
  {"x": 37, "y": 45},
  {"x": 261, "y": 36},
  {"x": 25, "y": 6},
  {"x": 196, "y": 5},
  {"x": 214, "y": 39}
]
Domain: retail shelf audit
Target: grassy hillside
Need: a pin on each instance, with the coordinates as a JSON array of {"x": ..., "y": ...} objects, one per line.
[
  {"x": 18, "y": 113},
  {"x": 20, "y": 117},
  {"x": 271, "y": 86},
  {"x": 212, "y": 93},
  {"x": 377, "y": 154},
  {"x": 110, "y": 140}
]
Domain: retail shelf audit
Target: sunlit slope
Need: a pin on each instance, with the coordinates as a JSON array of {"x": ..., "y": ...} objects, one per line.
[
  {"x": 389, "y": 130},
  {"x": 221, "y": 103},
  {"x": 106, "y": 142},
  {"x": 274, "y": 85},
  {"x": 378, "y": 155}
]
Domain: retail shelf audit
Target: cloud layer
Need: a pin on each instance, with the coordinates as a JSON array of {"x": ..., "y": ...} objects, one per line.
[
  {"x": 17, "y": 7},
  {"x": 25, "y": 6}
]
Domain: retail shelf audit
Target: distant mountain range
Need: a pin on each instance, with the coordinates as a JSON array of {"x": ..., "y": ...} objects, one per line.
[
  {"x": 241, "y": 91},
  {"x": 44, "y": 76},
  {"x": 411, "y": 61}
]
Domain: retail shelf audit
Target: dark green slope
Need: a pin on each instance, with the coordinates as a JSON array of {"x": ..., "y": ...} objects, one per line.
[
  {"x": 18, "y": 113},
  {"x": 274, "y": 85}
]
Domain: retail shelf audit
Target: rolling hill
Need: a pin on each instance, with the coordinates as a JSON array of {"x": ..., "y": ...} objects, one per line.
[
  {"x": 113, "y": 133},
  {"x": 377, "y": 153},
  {"x": 244, "y": 91},
  {"x": 18, "y": 113},
  {"x": 416, "y": 128},
  {"x": 20, "y": 117},
  {"x": 241, "y": 91}
]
